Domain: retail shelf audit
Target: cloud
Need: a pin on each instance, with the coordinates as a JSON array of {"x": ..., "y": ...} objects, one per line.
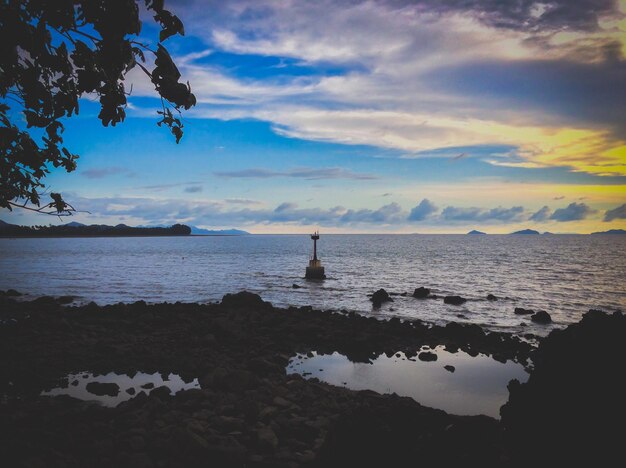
[
  {"x": 573, "y": 212},
  {"x": 242, "y": 201},
  {"x": 571, "y": 92},
  {"x": 303, "y": 173},
  {"x": 500, "y": 214},
  {"x": 388, "y": 214},
  {"x": 545, "y": 78},
  {"x": 616, "y": 213},
  {"x": 193, "y": 189},
  {"x": 102, "y": 172},
  {"x": 163, "y": 187},
  {"x": 422, "y": 211},
  {"x": 540, "y": 215}
]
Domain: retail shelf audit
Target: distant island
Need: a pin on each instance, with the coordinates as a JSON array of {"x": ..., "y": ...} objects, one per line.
[
  {"x": 75, "y": 229},
  {"x": 196, "y": 231},
  {"x": 526, "y": 231},
  {"x": 610, "y": 231},
  {"x": 475, "y": 232}
]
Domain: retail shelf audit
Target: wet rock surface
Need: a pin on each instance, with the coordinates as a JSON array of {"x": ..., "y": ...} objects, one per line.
[
  {"x": 454, "y": 300},
  {"x": 379, "y": 297},
  {"x": 541, "y": 317},
  {"x": 421, "y": 293},
  {"x": 248, "y": 412}
]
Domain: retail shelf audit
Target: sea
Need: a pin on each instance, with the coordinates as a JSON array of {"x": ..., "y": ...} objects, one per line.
[{"x": 565, "y": 275}]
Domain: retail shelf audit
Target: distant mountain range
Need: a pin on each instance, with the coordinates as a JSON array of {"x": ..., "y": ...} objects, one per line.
[
  {"x": 196, "y": 231},
  {"x": 475, "y": 232}
]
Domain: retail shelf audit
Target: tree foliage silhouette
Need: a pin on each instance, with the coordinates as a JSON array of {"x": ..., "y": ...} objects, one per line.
[{"x": 52, "y": 53}]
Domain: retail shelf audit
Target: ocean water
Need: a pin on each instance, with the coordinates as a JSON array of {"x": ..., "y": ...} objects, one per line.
[{"x": 565, "y": 275}]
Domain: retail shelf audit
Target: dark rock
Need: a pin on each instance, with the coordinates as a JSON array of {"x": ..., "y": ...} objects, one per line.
[
  {"x": 573, "y": 400},
  {"x": 449, "y": 368},
  {"x": 243, "y": 299},
  {"x": 267, "y": 438},
  {"x": 45, "y": 301},
  {"x": 65, "y": 299},
  {"x": 162, "y": 393},
  {"x": 491, "y": 297},
  {"x": 522, "y": 311},
  {"x": 427, "y": 356},
  {"x": 541, "y": 317},
  {"x": 454, "y": 300},
  {"x": 130, "y": 391},
  {"x": 148, "y": 385},
  {"x": 12, "y": 293},
  {"x": 100, "y": 389},
  {"x": 421, "y": 293},
  {"x": 379, "y": 297},
  {"x": 296, "y": 286}
]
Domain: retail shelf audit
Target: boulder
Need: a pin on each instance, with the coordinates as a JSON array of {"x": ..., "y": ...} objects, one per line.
[
  {"x": 454, "y": 300},
  {"x": 449, "y": 368},
  {"x": 379, "y": 297},
  {"x": 12, "y": 293},
  {"x": 162, "y": 393},
  {"x": 100, "y": 389},
  {"x": 541, "y": 317},
  {"x": 421, "y": 293},
  {"x": 491, "y": 297},
  {"x": 243, "y": 299},
  {"x": 296, "y": 286},
  {"x": 267, "y": 437},
  {"x": 427, "y": 356},
  {"x": 65, "y": 300},
  {"x": 522, "y": 311}
]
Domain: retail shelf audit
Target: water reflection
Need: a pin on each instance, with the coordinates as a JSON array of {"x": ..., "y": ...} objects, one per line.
[
  {"x": 476, "y": 385},
  {"x": 129, "y": 387}
]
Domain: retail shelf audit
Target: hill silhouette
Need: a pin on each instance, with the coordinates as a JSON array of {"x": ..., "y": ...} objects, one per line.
[{"x": 75, "y": 229}]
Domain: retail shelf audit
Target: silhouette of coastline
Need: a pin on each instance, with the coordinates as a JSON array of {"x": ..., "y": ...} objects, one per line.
[{"x": 94, "y": 230}]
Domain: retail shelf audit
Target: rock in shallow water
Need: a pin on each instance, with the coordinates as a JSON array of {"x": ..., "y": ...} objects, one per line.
[
  {"x": 522, "y": 311},
  {"x": 454, "y": 300},
  {"x": 379, "y": 297},
  {"x": 541, "y": 317},
  {"x": 101, "y": 389},
  {"x": 421, "y": 293},
  {"x": 427, "y": 356}
]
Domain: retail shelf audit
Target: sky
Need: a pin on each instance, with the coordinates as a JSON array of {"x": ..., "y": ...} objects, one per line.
[{"x": 378, "y": 116}]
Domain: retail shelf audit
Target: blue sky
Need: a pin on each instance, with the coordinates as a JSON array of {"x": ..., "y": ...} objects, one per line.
[{"x": 377, "y": 116}]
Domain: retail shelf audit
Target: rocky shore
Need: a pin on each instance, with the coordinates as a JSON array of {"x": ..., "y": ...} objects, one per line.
[{"x": 248, "y": 411}]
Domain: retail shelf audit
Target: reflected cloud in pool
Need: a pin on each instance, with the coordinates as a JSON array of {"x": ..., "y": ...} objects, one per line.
[{"x": 478, "y": 384}]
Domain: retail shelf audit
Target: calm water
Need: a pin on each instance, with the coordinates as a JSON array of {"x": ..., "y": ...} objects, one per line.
[
  {"x": 77, "y": 386},
  {"x": 565, "y": 275},
  {"x": 478, "y": 384}
]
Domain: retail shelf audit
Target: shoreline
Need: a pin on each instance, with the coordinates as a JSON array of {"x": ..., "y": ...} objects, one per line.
[{"x": 248, "y": 411}]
